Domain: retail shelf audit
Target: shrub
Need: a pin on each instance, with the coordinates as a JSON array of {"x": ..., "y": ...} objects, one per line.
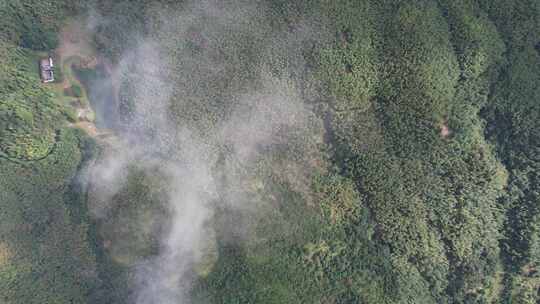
[
  {"x": 58, "y": 73},
  {"x": 76, "y": 91}
]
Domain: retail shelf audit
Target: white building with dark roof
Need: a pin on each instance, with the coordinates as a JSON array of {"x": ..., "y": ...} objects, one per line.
[{"x": 46, "y": 66}]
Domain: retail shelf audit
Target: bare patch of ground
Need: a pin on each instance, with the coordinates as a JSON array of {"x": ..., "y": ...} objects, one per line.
[
  {"x": 88, "y": 127},
  {"x": 5, "y": 254},
  {"x": 75, "y": 41},
  {"x": 445, "y": 131}
]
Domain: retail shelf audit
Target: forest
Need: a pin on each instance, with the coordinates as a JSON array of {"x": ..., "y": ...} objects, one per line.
[{"x": 273, "y": 151}]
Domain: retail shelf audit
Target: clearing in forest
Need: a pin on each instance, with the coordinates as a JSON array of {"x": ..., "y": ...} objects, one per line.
[{"x": 76, "y": 51}]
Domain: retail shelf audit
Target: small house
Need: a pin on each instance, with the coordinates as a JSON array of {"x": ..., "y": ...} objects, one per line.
[{"x": 46, "y": 66}]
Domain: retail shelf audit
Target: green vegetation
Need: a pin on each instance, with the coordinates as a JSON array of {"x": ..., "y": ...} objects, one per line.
[
  {"x": 29, "y": 115},
  {"x": 414, "y": 178},
  {"x": 33, "y": 24},
  {"x": 75, "y": 91},
  {"x": 514, "y": 126},
  {"x": 46, "y": 253},
  {"x": 44, "y": 240}
]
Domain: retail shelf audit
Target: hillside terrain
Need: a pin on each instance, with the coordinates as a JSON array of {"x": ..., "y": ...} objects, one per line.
[{"x": 270, "y": 151}]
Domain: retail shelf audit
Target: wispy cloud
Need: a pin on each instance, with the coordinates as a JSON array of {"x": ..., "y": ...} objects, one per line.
[{"x": 183, "y": 126}]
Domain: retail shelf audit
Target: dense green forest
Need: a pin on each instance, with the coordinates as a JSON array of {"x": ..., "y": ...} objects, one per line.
[
  {"x": 350, "y": 151},
  {"x": 45, "y": 250}
]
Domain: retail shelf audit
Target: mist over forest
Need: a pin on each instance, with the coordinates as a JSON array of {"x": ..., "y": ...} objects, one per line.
[{"x": 270, "y": 151}]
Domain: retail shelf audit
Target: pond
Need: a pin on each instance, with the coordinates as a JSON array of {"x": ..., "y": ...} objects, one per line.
[{"x": 99, "y": 86}]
